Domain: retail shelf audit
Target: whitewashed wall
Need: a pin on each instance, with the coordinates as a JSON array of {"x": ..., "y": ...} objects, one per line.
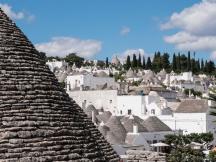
[
  {"x": 188, "y": 122},
  {"x": 99, "y": 98},
  {"x": 134, "y": 103},
  {"x": 89, "y": 80}
]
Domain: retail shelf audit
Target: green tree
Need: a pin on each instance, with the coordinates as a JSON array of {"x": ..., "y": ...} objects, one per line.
[
  {"x": 193, "y": 66},
  {"x": 139, "y": 63},
  {"x": 210, "y": 67},
  {"x": 156, "y": 63},
  {"x": 180, "y": 151},
  {"x": 178, "y": 61},
  {"x": 184, "y": 61},
  {"x": 107, "y": 62},
  {"x": 165, "y": 61},
  {"x": 188, "y": 62},
  {"x": 73, "y": 58},
  {"x": 197, "y": 66},
  {"x": 134, "y": 61},
  {"x": 174, "y": 65},
  {"x": 127, "y": 65},
  {"x": 148, "y": 64},
  {"x": 143, "y": 64},
  {"x": 202, "y": 65},
  {"x": 101, "y": 64}
]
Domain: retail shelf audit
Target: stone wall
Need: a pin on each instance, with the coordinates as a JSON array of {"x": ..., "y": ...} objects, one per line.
[{"x": 145, "y": 156}]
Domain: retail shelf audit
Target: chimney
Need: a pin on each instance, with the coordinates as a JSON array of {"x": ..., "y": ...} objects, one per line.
[
  {"x": 165, "y": 104},
  {"x": 135, "y": 129},
  {"x": 93, "y": 117}
]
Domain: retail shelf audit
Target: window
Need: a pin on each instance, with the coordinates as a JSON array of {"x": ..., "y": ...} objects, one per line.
[
  {"x": 153, "y": 111},
  {"x": 120, "y": 111},
  {"x": 110, "y": 101},
  {"x": 129, "y": 112}
]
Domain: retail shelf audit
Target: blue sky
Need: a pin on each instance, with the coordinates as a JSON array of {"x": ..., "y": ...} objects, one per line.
[{"x": 100, "y": 28}]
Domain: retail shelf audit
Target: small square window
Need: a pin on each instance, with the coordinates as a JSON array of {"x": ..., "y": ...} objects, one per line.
[{"x": 129, "y": 112}]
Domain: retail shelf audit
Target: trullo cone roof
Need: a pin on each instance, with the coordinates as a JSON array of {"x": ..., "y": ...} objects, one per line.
[{"x": 38, "y": 120}]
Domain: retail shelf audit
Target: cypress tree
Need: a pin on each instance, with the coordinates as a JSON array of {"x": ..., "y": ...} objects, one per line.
[
  {"x": 148, "y": 64},
  {"x": 188, "y": 62},
  {"x": 128, "y": 63},
  {"x": 165, "y": 61},
  {"x": 107, "y": 62},
  {"x": 198, "y": 65},
  {"x": 134, "y": 61},
  {"x": 143, "y": 64},
  {"x": 205, "y": 66},
  {"x": 202, "y": 65},
  {"x": 174, "y": 66},
  {"x": 178, "y": 61},
  {"x": 193, "y": 65},
  {"x": 139, "y": 63}
]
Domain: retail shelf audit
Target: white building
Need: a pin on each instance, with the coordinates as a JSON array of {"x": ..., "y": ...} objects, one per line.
[
  {"x": 142, "y": 106},
  {"x": 56, "y": 64},
  {"x": 191, "y": 116},
  {"x": 106, "y": 99},
  {"x": 88, "y": 80},
  {"x": 186, "y": 76},
  {"x": 135, "y": 105}
]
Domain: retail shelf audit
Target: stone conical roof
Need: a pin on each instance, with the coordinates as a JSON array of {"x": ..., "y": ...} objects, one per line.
[{"x": 39, "y": 122}]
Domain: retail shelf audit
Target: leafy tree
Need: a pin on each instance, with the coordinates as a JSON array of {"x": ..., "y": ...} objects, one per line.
[
  {"x": 195, "y": 93},
  {"x": 107, "y": 62},
  {"x": 212, "y": 156},
  {"x": 174, "y": 66},
  {"x": 73, "y": 58},
  {"x": 134, "y": 61},
  {"x": 210, "y": 67},
  {"x": 148, "y": 64},
  {"x": 181, "y": 151},
  {"x": 51, "y": 58},
  {"x": 101, "y": 63}
]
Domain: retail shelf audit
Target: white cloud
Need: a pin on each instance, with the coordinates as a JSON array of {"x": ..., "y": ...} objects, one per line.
[
  {"x": 15, "y": 15},
  {"x": 213, "y": 55},
  {"x": 129, "y": 52},
  {"x": 125, "y": 30},
  {"x": 197, "y": 26},
  {"x": 61, "y": 46}
]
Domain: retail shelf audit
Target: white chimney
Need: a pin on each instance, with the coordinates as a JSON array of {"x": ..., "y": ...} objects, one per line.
[
  {"x": 165, "y": 104},
  {"x": 93, "y": 117},
  {"x": 135, "y": 129}
]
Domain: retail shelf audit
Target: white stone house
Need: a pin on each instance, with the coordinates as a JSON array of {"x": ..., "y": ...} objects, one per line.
[
  {"x": 88, "y": 80},
  {"x": 106, "y": 99},
  {"x": 192, "y": 116},
  {"x": 139, "y": 105},
  {"x": 186, "y": 76},
  {"x": 56, "y": 64}
]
